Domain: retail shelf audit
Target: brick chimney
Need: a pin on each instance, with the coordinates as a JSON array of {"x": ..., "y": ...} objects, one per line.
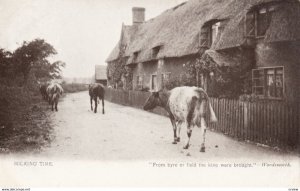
[{"x": 138, "y": 15}]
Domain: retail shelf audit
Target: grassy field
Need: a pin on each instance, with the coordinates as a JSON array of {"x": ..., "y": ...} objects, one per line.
[{"x": 72, "y": 88}]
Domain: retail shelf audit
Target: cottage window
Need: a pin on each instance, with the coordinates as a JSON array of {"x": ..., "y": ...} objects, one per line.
[
  {"x": 160, "y": 63},
  {"x": 135, "y": 55},
  {"x": 263, "y": 21},
  {"x": 258, "y": 21},
  {"x": 155, "y": 51},
  {"x": 214, "y": 31},
  {"x": 250, "y": 24},
  {"x": 209, "y": 34},
  {"x": 204, "y": 37},
  {"x": 165, "y": 78},
  {"x": 154, "y": 82},
  {"x": 139, "y": 82},
  {"x": 268, "y": 82}
]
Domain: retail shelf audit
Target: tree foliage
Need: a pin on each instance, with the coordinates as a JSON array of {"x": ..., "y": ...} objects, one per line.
[
  {"x": 47, "y": 71},
  {"x": 31, "y": 60},
  {"x": 222, "y": 81},
  {"x": 183, "y": 80},
  {"x": 5, "y": 63},
  {"x": 115, "y": 70},
  {"x": 32, "y": 54}
]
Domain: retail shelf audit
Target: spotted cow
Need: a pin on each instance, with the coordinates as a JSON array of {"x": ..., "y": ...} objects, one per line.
[
  {"x": 54, "y": 91},
  {"x": 184, "y": 105}
]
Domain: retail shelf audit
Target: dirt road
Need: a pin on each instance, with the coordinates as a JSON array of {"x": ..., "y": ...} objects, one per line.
[
  {"x": 131, "y": 147},
  {"x": 126, "y": 133}
]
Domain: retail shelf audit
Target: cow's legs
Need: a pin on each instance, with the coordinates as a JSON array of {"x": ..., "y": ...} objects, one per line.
[
  {"x": 203, "y": 130},
  {"x": 178, "y": 131},
  {"x": 189, "y": 134},
  {"x": 174, "y": 129},
  {"x": 91, "y": 100},
  {"x": 102, "y": 105},
  {"x": 52, "y": 104},
  {"x": 189, "y": 120},
  {"x": 56, "y": 102},
  {"x": 95, "y": 99}
]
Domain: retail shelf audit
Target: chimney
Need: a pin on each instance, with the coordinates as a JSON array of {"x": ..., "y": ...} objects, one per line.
[{"x": 138, "y": 15}]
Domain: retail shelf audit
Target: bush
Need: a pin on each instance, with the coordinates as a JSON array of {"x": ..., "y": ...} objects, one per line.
[
  {"x": 184, "y": 80},
  {"x": 145, "y": 89},
  {"x": 249, "y": 98},
  {"x": 72, "y": 88}
]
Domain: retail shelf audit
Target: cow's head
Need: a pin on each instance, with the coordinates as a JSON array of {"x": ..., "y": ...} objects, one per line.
[{"x": 153, "y": 101}]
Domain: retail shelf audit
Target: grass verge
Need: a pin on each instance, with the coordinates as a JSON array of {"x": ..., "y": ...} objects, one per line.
[{"x": 24, "y": 124}]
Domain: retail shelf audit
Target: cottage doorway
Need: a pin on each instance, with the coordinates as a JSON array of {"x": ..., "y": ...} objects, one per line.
[{"x": 154, "y": 82}]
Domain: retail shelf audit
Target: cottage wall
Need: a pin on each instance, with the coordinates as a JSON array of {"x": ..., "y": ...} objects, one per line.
[
  {"x": 286, "y": 54},
  {"x": 174, "y": 66}
]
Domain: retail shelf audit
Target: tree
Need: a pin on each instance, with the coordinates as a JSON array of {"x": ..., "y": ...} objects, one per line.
[
  {"x": 31, "y": 55},
  {"x": 45, "y": 71},
  {"x": 5, "y": 63},
  {"x": 117, "y": 71}
]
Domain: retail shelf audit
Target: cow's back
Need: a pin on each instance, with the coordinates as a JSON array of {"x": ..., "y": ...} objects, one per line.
[
  {"x": 180, "y": 101},
  {"x": 99, "y": 90},
  {"x": 96, "y": 90},
  {"x": 54, "y": 88}
]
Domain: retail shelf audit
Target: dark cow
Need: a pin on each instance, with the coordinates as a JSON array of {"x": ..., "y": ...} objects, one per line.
[
  {"x": 54, "y": 91},
  {"x": 96, "y": 91},
  {"x": 43, "y": 90},
  {"x": 184, "y": 105}
]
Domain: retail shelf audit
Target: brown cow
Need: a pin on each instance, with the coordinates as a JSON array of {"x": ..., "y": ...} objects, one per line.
[{"x": 96, "y": 91}]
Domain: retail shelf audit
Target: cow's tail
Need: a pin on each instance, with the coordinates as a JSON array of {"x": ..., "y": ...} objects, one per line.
[{"x": 213, "y": 117}]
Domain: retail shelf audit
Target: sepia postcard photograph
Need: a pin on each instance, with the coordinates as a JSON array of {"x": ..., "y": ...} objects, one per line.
[{"x": 161, "y": 94}]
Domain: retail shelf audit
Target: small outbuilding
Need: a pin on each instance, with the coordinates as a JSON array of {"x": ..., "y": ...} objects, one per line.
[{"x": 100, "y": 74}]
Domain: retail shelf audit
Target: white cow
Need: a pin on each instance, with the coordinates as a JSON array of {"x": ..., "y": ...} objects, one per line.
[
  {"x": 184, "y": 105},
  {"x": 54, "y": 91}
]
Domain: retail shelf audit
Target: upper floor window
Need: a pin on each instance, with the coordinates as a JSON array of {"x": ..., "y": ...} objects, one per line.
[
  {"x": 268, "y": 82},
  {"x": 214, "y": 31},
  {"x": 209, "y": 33},
  {"x": 155, "y": 51},
  {"x": 258, "y": 21},
  {"x": 135, "y": 55},
  {"x": 160, "y": 63}
]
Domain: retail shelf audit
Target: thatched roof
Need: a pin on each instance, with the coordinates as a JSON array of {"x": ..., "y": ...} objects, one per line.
[
  {"x": 177, "y": 30},
  {"x": 285, "y": 24},
  {"x": 234, "y": 58},
  {"x": 126, "y": 38},
  {"x": 221, "y": 59},
  {"x": 100, "y": 72}
]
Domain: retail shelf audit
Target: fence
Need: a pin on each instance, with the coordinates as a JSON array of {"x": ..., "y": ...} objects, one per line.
[
  {"x": 269, "y": 123},
  {"x": 130, "y": 98}
]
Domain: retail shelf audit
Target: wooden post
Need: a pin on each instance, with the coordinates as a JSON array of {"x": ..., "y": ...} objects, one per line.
[
  {"x": 205, "y": 82},
  {"x": 197, "y": 77},
  {"x": 245, "y": 120}
]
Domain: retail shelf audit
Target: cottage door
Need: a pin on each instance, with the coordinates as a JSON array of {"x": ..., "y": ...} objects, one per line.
[{"x": 154, "y": 82}]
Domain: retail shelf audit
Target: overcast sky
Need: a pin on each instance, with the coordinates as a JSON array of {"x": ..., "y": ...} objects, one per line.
[{"x": 82, "y": 31}]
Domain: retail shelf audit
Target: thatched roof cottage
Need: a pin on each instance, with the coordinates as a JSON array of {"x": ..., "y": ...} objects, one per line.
[{"x": 262, "y": 36}]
